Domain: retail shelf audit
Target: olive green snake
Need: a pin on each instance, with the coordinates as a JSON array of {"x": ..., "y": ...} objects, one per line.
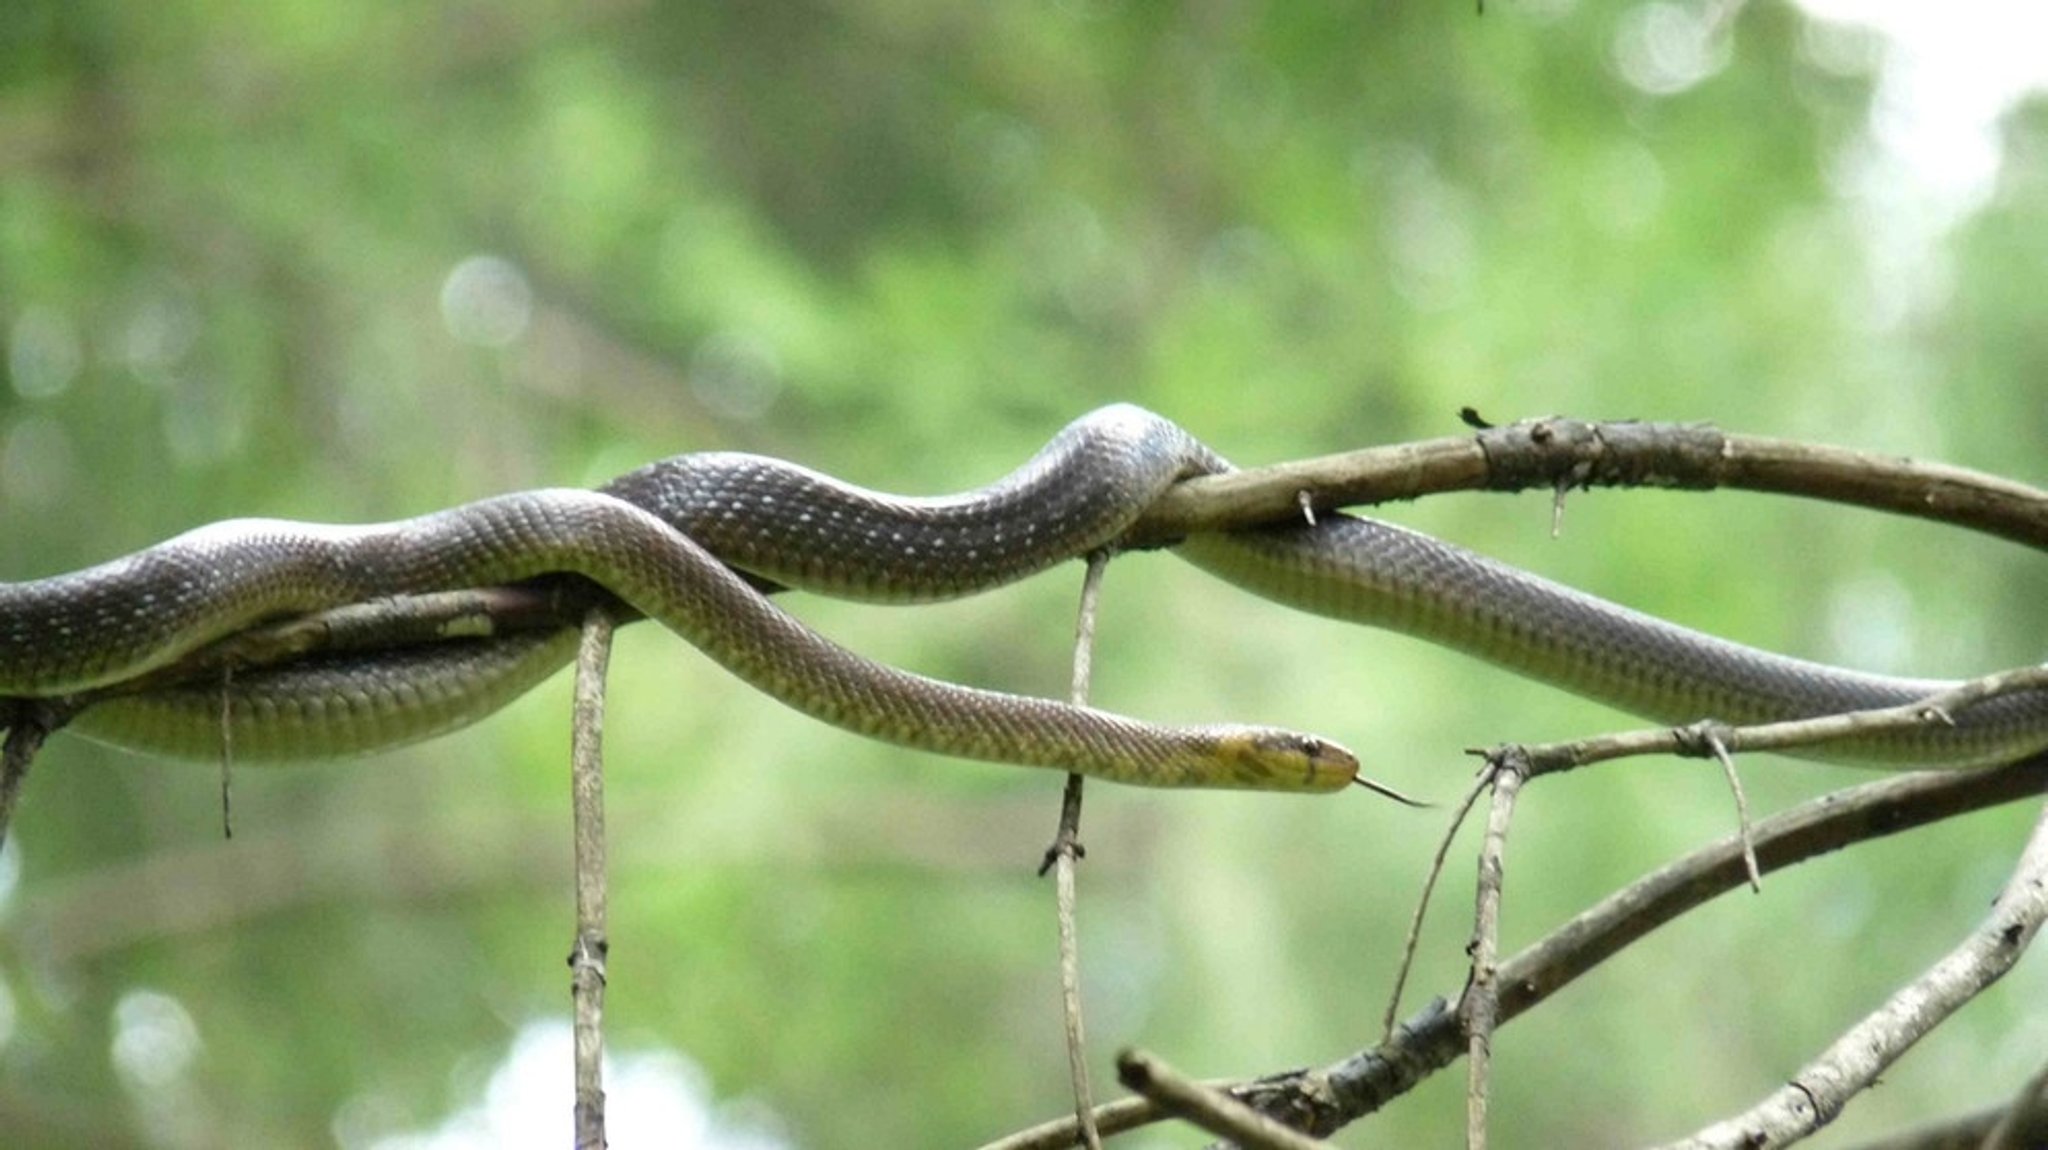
[{"x": 693, "y": 540}]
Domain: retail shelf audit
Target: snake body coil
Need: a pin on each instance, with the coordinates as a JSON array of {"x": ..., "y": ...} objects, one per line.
[
  {"x": 646, "y": 536},
  {"x": 127, "y": 617}
]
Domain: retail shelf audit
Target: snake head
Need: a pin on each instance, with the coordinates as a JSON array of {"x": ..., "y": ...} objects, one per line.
[{"x": 1270, "y": 759}]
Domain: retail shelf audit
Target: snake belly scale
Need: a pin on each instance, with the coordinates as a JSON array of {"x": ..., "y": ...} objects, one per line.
[{"x": 785, "y": 526}]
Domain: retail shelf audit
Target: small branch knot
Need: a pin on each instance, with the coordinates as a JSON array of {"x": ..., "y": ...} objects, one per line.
[{"x": 1706, "y": 739}]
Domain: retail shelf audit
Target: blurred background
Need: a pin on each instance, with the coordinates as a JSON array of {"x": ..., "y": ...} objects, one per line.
[{"x": 354, "y": 262}]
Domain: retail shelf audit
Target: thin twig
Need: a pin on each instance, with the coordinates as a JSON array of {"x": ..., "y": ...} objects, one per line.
[
  {"x": 589, "y": 955},
  {"x": 1789, "y": 735},
  {"x": 227, "y": 750},
  {"x": 1481, "y": 1008},
  {"x": 1742, "y": 828},
  {"x": 1212, "y": 1110},
  {"x": 1436, "y": 870},
  {"x": 29, "y": 722},
  {"x": 1850, "y": 1064},
  {"x": 1065, "y": 855},
  {"x": 1111, "y": 1118}
]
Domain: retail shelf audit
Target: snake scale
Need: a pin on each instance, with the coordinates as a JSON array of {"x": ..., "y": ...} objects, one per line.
[{"x": 668, "y": 538}]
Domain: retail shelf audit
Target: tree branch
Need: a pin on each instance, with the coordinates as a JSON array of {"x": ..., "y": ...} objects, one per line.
[
  {"x": 1335, "y": 1095},
  {"x": 1211, "y": 1109},
  {"x": 590, "y": 952},
  {"x": 1816, "y": 1095},
  {"x": 1554, "y": 453},
  {"x": 1368, "y": 1079},
  {"x": 1481, "y": 1007},
  {"x": 1064, "y": 857}
]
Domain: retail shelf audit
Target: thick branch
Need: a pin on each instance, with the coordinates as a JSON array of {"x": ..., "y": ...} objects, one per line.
[{"x": 1554, "y": 454}]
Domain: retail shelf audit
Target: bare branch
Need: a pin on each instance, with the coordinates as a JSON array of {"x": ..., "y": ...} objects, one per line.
[
  {"x": 1212, "y": 1110},
  {"x": 1817, "y": 1094},
  {"x": 1936, "y": 491},
  {"x": 1734, "y": 780},
  {"x": 1550, "y": 454},
  {"x": 1432, "y": 1040},
  {"x": 28, "y": 723},
  {"x": 1481, "y": 1006},
  {"x": 1700, "y": 739},
  {"x": 1110, "y": 1118},
  {"x": 589, "y": 954},
  {"x": 1342, "y": 1092},
  {"x": 1065, "y": 857}
]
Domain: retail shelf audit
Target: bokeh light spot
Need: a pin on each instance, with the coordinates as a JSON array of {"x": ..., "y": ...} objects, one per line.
[
  {"x": 43, "y": 353},
  {"x": 486, "y": 301},
  {"x": 155, "y": 1039},
  {"x": 1663, "y": 49}
]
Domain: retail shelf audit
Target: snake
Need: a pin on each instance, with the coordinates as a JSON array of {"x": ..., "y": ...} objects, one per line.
[{"x": 695, "y": 540}]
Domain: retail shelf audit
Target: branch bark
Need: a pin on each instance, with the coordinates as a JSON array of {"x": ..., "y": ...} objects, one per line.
[
  {"x": 589, "y": 954},
  {"x": 1816, "y": 1095},
  {"x": 1337, "y": 1094}
]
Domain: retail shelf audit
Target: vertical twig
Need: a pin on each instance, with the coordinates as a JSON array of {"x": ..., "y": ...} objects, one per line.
[
  {"x": 587, "y": 957},
  {"x": 1481, "y": 1008},
  {"x": 1711, "y": 734},
  {"x": 1064, "y": 856},
  {"x": 227, "y": 750},
  {"x": 27, "y": 727}
]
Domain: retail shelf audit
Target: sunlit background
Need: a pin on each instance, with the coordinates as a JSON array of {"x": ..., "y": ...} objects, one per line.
[{"x": 353, "y": 262}]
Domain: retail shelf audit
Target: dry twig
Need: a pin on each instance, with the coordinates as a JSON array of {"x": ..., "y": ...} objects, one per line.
[
  {"x": 1481, "y": 1006},
  {"x": 1436, "y": 870},
  {"x": 1361, "y": 1083},
  {"x": 1064, "y": 857},
  {"x": 1210, "y": 1109},
  {"x": 589, "y": 954}
]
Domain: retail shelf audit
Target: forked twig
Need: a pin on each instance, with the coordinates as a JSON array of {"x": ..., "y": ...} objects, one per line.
[{"x": 1436, "y": 870}]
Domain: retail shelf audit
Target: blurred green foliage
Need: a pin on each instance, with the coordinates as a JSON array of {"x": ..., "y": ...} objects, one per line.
[{"x": 357, "y": 261}]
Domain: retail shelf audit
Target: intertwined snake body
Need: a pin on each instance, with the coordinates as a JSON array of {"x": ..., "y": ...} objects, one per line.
[{"x": 650, "y": 538}]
